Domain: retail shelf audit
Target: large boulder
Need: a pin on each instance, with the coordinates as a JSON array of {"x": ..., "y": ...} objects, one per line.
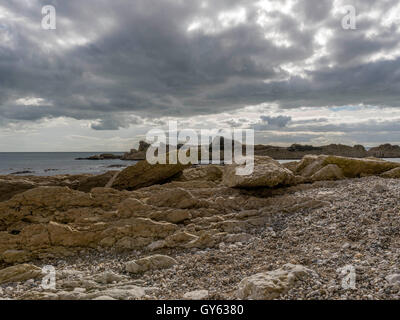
[
  {"x": 267, "y": 173},
  {"x": 144, "y": 174},
  {"x": 18, "y": 273},
  {"x": 270, "y": 285}
]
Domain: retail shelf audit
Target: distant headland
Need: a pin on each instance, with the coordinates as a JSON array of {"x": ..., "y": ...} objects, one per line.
[{"x": 294, "y": 152}]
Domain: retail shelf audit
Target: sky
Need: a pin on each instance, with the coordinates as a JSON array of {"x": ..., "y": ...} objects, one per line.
[{"x": 113, "y": 70}]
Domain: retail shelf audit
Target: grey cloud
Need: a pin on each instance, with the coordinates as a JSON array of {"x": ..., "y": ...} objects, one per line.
[
  {"x": 141, "y": 61},
  {"x": 114, "y": 123}
]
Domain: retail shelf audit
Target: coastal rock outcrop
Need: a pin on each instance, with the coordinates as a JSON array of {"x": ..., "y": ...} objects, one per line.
[
  {"x": 144, "y": 174},
  {"x": 103, "y": 156},
  {"x": 139, "y": 154},
  {"x": 201, "y": 173},
  {"x": 267, "y": 173},
  {"x": 59, "y": 221}
]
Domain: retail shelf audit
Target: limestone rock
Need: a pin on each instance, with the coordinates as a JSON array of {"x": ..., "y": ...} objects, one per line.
[
  {"x": 270, "y": 285},
  {"x": 267, "y": 173},
  {"x": 329, "y": 172},
  {"x": 144, "y": 174},
  {"x": 196, "y": 295},
  {"x": 154, "y": 262},
  {"x": 19, "y": 273},
  {"x": 178, "y": 198},
  {"x": 96, "y": 181},
  {"x": 202, "y": 173},
  {"x": 351, "y": 167}
]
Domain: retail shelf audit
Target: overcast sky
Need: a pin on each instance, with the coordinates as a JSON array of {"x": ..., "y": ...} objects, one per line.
[{"x": 112, "y": 70}]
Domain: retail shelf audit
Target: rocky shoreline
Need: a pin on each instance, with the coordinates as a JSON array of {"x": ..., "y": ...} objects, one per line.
[
  {"x": 182, "y": 232},
  {"x": 294, "y": 152}
]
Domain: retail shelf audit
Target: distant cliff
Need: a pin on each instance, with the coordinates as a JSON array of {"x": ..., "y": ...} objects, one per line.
[
  {"x": 297, "y": 151},
  {"x": 385, "y": 151}
]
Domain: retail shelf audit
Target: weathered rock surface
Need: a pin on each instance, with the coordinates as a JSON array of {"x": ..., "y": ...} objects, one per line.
[
  {"x": 393, "y": 174},
  {"x": 329, "y": 172},
  {"x": 385, "y": 151},
  {"x": 219, "y": 235},
  {"x": 18, "y": 273},
  {"x": 144, "y": 174},
  {"x": 154, "y": 262},
  {"x": 139, "y": 154},
  {"x": 229, "y": 235},
  {"x": 270, "y": 285},
  {"x": 267, "y": 173},
  {"x": 96, "y": 181},
  {"x": 11, "y": 185},
  {"x": 202, "y": 173}
]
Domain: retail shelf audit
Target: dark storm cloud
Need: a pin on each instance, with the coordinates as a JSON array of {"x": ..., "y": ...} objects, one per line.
[{"x": 108, "y": 60}]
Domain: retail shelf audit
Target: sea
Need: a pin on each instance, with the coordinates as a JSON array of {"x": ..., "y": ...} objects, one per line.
[
  {"x": 60, "y": 163},
  {"x": 57, "y": 163}
]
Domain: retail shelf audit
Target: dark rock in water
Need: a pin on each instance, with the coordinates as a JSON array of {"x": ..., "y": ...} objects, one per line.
[
  {"x": 104, "y": 156},
  {"x": 23, "y": 172},
  {"x": 117, "y": 166}
]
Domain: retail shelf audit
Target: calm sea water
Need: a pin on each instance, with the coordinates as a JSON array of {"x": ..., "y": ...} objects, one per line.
[{"x": 53, "y": 163}]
